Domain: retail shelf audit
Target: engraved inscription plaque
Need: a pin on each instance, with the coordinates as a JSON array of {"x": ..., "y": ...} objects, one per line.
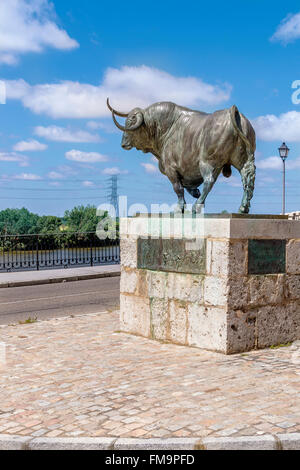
[
  {"x": 266, "y": 256},
  {"x": 171, "y": 255}
]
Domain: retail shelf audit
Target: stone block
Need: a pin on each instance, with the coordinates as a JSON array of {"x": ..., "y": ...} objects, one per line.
[
  {"x": 69, "y": 443},
  {"x": 187, "y": 287},
  {"x": 157, "y": 284},
  {"x": 128, "y": 248},
  {"x": 238, "y": 258},
  {"x": 219, "y": 258},
  {"x": 170, "y": 443},
  {"x": 142, "y": 288},
  {"x": 215, "y": 291},
  {"x": 266, "y": 442},
  {"x": 8, "y": 442},
  {"x": 293, "y": 287},
  {"x": 177, "y": 321},
  {"x": 279, "y": 324},
  {"x": 129, "y": 281},
  {"x": 207, "y": 327},
  {"x": 289, "y": 441},
  {"x": 293, "y": 257},
  {"x": 159, "y": 318},
  {"x": 209, "y": 245},
  {"x": 135, "y": 314},
  {"x": 268, "y": 289},
  {"x": 280, "y": 229},
  {"x": 237, "y": 297},
  {"x": 241, "y": 331}
]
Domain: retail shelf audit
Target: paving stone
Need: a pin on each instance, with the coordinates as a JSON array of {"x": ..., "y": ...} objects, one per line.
[{"x": 128, "y": 386}]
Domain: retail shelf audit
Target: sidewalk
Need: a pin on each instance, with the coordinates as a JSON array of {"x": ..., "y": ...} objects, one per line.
[
  {"x": 31, "y": 278},
  {"x": 68, "y": 380}
]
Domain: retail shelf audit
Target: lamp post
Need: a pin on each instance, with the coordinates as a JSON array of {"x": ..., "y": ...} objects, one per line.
[{"x": 283, "y": 152}]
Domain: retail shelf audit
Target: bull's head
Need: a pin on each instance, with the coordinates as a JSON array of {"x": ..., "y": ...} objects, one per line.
[{"x": 134, "y": 132}]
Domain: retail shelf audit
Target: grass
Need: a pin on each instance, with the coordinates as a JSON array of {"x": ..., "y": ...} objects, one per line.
[
  {"x": 28, "y": 321},
  {"x": 286, "y": 345}
]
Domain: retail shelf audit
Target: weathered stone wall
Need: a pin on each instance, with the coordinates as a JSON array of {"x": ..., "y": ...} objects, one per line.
[{"x": 225, "y": 309}]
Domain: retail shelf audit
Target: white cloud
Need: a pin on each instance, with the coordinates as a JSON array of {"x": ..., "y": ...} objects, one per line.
[
  {"x": 275, "y": 163},
  {"x": 270, "y": 163},
  {"x": 285, "y": 127},
  {"x": 85, "y": 157},
  {"x": 233, "y": 181},
  {"x": 14, "y": 157},
  {"x": 127, "y": 87},
  {"x": 150, "y": 168},
  {"x": 88, "y": 184},
  {"x": 114, "y": 171},
  {"x": 54, "y": 175},
  {"x": 29, "y": 26},
  {"x": 62, "y": 134},
  {"x": 29, "y": 146},
  {"x": 27, "y": 177},
  {"x": 8, "y": 59},
  {"x": 288, "y": 30},
  {"x": 94, "y": 125}
]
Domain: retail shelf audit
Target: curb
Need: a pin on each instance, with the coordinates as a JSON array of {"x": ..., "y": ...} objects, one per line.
[
  {"x": 57, "y": 280},
  {"x": 265, "y": 442}
]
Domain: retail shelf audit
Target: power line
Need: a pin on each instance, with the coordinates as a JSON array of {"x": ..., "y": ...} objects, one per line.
[
  {"x": 50, "y": 189},
  {"x": 114, "y": 194},
  {"x": 52, "y": 198}
]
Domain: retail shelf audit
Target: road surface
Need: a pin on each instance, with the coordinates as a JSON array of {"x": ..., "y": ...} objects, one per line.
[{"x": 56, "y": 300}]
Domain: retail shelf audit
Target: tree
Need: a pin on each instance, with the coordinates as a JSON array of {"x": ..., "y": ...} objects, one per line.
[
  {"x": 81, "y": 219},
  {"x": 49, "y": 224},
  {"x": 18, "y": 222}
]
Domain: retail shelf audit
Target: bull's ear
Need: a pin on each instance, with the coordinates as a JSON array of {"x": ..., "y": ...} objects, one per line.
[{"x": 134, "y": 121}]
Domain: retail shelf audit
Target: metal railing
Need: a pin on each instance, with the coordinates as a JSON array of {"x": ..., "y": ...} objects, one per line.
[{"x": 48, "y": 251}]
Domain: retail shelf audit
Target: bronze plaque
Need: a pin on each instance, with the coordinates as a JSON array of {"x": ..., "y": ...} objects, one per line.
[
  {"x": 266, "y": 256},
  {"x": 171, "y": 255}
]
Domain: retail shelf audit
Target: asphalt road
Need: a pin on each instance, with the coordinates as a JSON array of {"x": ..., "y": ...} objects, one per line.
[{"x": 57, "y": 300}]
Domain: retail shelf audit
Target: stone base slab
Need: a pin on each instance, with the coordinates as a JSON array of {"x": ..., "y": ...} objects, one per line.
[{"x": 264, "y": 442}]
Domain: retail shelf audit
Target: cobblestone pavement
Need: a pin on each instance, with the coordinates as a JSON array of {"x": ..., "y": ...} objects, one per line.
[{"x": 81, "y": 377}]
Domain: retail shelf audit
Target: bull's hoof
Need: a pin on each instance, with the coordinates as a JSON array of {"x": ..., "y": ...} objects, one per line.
[
  {"x": 180, "y": 209},
  {"x": 243, "y": 210},
  {"x": 198, "y": 208}
]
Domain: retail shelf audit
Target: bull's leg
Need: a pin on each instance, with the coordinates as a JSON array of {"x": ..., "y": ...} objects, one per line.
[
  {"x": 210, "y": 176},
  {"x": 248, "y": 179},
  {"x": 179, "y": 190}
]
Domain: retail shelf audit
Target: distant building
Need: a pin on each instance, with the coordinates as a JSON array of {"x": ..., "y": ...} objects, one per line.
[{"x": 294, "y": 215}]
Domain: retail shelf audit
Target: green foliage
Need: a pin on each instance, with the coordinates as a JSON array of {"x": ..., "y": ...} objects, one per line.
[
  {"x": 81, "y": 219},
  {"x": 23, "y": 222},
  {"x": 49, "y": 224},
  {"x": 18, "y": 221},
  {"x": 55, "y": 232}
]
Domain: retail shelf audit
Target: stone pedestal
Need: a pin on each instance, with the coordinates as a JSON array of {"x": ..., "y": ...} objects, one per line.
[{"x": 235, "y": 289}]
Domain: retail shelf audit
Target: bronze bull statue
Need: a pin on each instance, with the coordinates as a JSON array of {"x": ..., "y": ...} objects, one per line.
[{"x": 193, "y": 147}]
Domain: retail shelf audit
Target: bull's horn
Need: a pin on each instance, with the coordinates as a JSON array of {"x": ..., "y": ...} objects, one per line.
[
  {"x": 114, "y": 111},
  {"x": 122, "y": 128}
]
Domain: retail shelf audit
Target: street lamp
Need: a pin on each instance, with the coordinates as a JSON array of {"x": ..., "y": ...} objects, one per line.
[{"x": 283, "y": 152}]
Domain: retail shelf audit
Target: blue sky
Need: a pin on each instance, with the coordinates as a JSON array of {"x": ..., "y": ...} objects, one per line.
[{"x": 59, "y": 61}]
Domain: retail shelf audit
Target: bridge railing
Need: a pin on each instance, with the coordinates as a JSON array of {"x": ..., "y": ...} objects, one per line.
[{"x": 57, "y": 250}]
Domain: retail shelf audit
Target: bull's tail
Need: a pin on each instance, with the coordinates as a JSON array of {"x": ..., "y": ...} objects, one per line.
[{"x": 236, "y": 122}]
